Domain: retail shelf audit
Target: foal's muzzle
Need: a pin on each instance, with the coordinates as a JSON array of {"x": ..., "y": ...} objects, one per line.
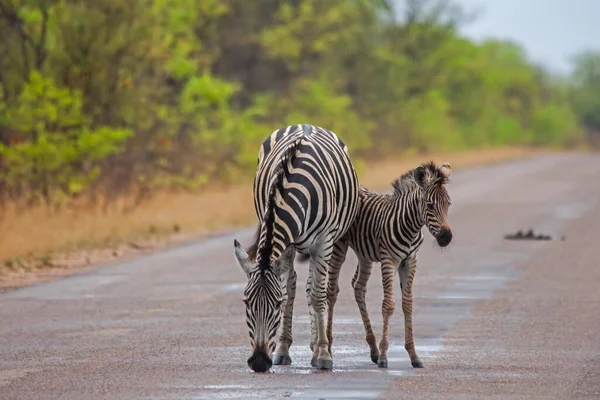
[{"x": 444, "y": 237}]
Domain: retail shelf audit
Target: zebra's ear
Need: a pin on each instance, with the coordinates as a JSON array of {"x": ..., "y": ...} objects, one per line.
[
  {"x": 242, "y": 258},
  {"x": 420, "y": 175},
  {"x": 285, "y": 262}
]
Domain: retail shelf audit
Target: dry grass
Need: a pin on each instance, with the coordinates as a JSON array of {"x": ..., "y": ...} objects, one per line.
[{"x": 68, "y": 241}]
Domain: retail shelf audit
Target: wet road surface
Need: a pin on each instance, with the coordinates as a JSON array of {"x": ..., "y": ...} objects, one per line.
[{"x": 492, "y": 318}]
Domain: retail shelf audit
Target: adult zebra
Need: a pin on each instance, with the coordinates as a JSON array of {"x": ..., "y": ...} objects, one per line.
[
  {"x": 306, "y": 197},
  {"x": 387, "y": 229}
]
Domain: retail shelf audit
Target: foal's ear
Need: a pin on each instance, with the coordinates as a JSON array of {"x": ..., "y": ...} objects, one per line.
[
  {"x": 420, "y": 175},
  {"x": 446, "y": 169}
]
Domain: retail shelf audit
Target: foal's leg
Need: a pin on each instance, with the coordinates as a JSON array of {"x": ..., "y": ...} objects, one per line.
[
  {"x": 388, "y": 269},
  {"x": 407, "y": 275},
  {"x": 359, "y": 283}
]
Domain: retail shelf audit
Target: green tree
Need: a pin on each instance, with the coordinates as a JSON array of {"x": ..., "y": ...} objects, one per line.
[
  {"x": 109, "y": 98},
  {"x": 586, "y": 77},
  {"x": 57, "y": 153}
]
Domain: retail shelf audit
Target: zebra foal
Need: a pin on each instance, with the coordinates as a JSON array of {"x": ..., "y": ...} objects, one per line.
[
  {"x": 305, "y": 197},
  {"x": 387, "y": 229}
]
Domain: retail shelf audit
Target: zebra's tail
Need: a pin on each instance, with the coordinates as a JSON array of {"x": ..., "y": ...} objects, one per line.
[{"x": 280, "y": 171}]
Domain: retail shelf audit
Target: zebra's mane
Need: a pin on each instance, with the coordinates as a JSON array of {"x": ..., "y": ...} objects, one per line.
[
  {"x": 407, "y": 182},
  {"x": 269, "y": 217}
]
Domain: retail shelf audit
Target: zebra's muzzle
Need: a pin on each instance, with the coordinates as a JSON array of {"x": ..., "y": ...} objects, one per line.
[
  {"x": 260, "y": 361},
  {"x": 444, "y": 237}
]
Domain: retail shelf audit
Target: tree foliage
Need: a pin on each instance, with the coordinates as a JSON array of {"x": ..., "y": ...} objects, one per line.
[
  {"x": 107, "y": 98},
  {"x": 586, "y": 96}
]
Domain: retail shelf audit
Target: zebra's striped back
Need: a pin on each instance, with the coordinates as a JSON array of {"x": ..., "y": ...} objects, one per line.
[{"x": 320, "y": 190}]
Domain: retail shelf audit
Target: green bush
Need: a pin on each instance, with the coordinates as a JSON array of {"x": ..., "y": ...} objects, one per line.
[{"x": 115, "y": 98}]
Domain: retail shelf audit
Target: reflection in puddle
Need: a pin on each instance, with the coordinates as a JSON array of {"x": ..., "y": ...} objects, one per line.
[{"x": 402, "y": 372}]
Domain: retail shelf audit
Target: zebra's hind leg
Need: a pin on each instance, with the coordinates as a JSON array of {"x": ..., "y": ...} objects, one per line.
[
  {"x": 407, "y": 275},
  {"x": 337, "y": 260},
  {"x": 359, "y": 284},
  {"x": 282, "y": 354},
  {"x": 388, "y": 269},
  {"x": 313, "y": 321}
]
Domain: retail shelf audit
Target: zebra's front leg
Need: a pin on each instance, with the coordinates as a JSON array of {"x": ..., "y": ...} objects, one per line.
[
  {"x": 318, "y": 295},
  {"x": 337, "y": 260},
  {"x": 282, "y": 354},
  {"x": 407, "y": 272},
  {"x": 359, "y": 284},
  {"x": 388, "y": 269}
]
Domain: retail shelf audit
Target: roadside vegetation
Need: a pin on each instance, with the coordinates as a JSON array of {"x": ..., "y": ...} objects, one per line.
[{"x": 112, "y": 112}]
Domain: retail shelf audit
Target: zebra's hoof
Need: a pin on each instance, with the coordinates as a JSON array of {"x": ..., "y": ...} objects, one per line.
[
  {"x": 382, "y": 363},
  {"x": 375, "y": 358},
  {"x": 417, "y": 363},
  {"x": 325, "y": 364},
  {"x": 282, "y": 360},
  {"x": 313, "y": 361}
]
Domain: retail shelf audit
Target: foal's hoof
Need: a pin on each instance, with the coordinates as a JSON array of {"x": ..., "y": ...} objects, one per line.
[
  {"x": 313, "y": 361},
  {"x": 382, "y": 363},
  {"x": 282, "y": 360},
  {"x": 417, "y": 363},
  {"x": 324, "y": 364}
]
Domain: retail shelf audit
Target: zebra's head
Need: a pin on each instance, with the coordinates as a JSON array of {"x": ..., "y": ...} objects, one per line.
[
  {"x": 264, "y": 300},
  {"x": 435, "y": 200}
]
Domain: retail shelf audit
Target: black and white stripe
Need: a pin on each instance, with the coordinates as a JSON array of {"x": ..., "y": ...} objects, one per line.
[
  {"x": 306, "y": 198},
  {"x": 387, "y": 229}
]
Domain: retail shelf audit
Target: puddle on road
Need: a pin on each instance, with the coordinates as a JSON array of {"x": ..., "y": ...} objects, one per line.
[
  {"x": 572, "y": 210},
  {"x": 485, "y": 278},
  {"x": 249, "y": 394},
  {"x": 400, "y": 372},
  {"x": 304, "y": 319},
  {"x": 456, "y": 296},
  {"x": 233, "y": 287},
  {"x": 341, "y": 394},
  {"x": 217, "y": 387}
]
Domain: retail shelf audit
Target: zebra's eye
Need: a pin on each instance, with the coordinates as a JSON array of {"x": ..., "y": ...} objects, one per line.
[
  {"x": 245, "y": 301},
  {"x": 430, "y": 206},
  {"x": 279, "y": 303}
]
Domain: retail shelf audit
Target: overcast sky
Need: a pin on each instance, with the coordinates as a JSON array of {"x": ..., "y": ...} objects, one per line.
[{"x": 550, "y": 30}]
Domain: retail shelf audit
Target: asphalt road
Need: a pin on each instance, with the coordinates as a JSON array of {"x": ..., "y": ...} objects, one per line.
[{"x": 493, "y": 319}]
